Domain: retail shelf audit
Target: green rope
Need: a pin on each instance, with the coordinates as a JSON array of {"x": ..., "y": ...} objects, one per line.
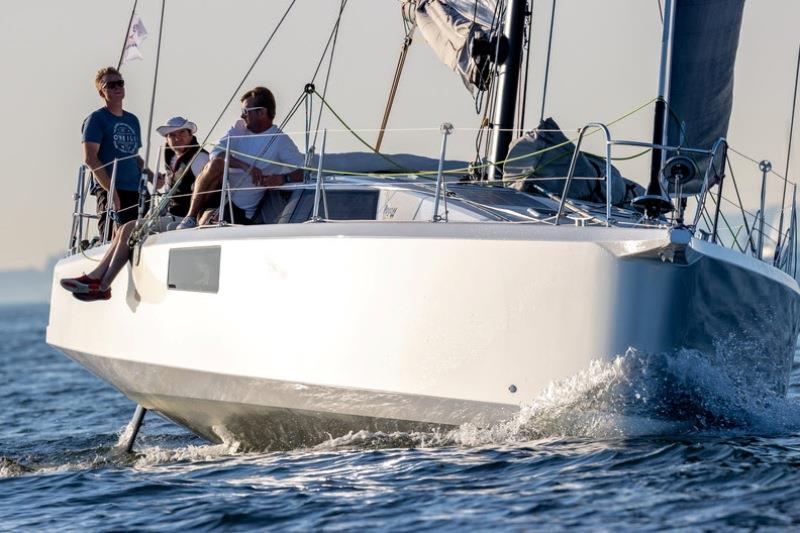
[{"x": 356, "y": 135}]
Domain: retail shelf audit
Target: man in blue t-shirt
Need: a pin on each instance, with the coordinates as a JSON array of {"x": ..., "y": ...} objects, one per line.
[{"x": 108, "y": 134}]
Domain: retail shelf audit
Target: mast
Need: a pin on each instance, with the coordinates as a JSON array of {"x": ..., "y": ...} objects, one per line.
[
  {"x": 508, "y": 82},
  {"x": 655, "y": 202}
]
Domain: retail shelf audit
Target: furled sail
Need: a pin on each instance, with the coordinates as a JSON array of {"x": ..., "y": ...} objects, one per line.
[
  {"x": 705, "y": 39},
  {"x": 546, "y": 153},
  {"x": 460, "y": 33}
]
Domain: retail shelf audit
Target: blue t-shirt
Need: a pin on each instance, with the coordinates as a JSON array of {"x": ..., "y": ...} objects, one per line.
[{"x": 118, "y": 137}]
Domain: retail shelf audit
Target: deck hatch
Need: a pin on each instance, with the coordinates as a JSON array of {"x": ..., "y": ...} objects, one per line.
[{"x": 194, "y": 269}]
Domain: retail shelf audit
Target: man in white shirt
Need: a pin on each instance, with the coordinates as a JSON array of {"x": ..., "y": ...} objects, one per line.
[{"x": 261, "y": 156}]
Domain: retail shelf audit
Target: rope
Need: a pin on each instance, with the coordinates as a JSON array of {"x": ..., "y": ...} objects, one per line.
[
  {"x": 352, "y": 131},
  {"x": 407, "y": 172},
  {"x": 398, "y": 71}
]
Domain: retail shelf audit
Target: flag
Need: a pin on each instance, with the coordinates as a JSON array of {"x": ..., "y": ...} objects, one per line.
[{"x": 136, "y": 35}]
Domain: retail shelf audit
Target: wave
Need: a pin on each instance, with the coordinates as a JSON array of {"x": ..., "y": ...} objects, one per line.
[{"x": 634, "y": 395}]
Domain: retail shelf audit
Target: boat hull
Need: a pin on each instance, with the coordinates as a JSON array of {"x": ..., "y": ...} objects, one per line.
[{"x": 310, "y": 331}]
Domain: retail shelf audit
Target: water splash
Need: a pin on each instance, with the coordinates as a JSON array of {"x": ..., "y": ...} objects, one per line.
[
  {"x": 12, "y": 468},
  {"x": 635, "y": 394}
]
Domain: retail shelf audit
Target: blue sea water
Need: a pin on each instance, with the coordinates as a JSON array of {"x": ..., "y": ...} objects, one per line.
[{"x": 567, "y": 462}]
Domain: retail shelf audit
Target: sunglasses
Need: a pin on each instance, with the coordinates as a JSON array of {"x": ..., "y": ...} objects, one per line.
[
  {"x": 114, "y": 84},
  {"x": 247, "y": 110}
]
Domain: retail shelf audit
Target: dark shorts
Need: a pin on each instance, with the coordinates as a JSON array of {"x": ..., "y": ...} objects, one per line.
[
  {"x": 239, "y": 215},
  {"x": 129, "y": 208}
]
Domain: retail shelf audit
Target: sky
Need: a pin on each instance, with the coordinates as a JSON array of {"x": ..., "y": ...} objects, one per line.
[{"x": 604, "y": 64}]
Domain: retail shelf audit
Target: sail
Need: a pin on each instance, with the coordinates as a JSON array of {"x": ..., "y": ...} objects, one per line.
[
  {"x": 705, "y": 39},
  {"x": 459, "y": 32},
  {"x": 545, "y": 152}
]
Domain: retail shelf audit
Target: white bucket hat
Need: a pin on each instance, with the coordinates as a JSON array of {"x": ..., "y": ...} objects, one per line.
[{"x": 175, "y": 124}]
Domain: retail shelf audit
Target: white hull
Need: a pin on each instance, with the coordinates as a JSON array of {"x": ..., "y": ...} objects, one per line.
[{"x": 317, "y": 329}]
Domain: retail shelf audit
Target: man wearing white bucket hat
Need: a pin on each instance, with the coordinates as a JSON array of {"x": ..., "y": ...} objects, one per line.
[{"x": 185, "y": 159}]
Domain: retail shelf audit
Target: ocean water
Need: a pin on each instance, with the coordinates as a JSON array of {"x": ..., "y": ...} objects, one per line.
[{"x": 570, "y": 460}]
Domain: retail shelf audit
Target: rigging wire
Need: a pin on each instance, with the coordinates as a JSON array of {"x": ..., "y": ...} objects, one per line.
[
  {"x": 149, "y": 130},
  {"x": 327, "y": 45},
  {"x": 335, "y": 37},
  {"x": 141, "y": 230},
  {"x": 788, "y": 155},
  {"x": 547, "y": 62},
  {"x": 250, "y": 70}
]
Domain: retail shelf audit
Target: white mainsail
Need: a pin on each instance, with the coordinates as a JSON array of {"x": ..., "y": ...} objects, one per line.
[{"x": 459, "y": 31}]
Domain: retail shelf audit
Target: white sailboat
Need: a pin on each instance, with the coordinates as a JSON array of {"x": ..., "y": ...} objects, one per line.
[{"x": 376, "y": 317}]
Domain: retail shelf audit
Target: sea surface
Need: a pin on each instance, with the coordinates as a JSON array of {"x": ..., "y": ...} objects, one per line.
[{"x": 570, "y": 460}]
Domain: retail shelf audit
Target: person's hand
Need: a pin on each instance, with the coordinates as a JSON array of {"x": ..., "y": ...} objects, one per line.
[
  {"x": 274, "y": 180},
  {"x": 160, "y": 180},
  {"x": 257, "y": 176}
]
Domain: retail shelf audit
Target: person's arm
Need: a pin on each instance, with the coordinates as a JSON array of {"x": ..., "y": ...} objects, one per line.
[
  {"x": 200, "y": 161},
  {"x": 233, "y": 162},
  {"x": 101, "y": 175},
  {"x": 287, "y": 153},
  {"x": 140, "y": 163}
]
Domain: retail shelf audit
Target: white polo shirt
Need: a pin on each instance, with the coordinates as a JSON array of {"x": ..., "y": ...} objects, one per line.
[{"x": 272, "y": 145}]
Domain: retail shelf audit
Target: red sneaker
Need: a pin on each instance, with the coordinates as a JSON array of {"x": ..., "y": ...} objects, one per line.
[
  {"x": 81, "y": 285},
  {"x": 92, "y": 296}
]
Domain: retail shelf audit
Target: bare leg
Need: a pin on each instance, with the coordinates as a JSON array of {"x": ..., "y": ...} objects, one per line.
[
  {"x": 121, "y": 237},
  {"x": 208, "y": 180},
  {"x": 115, "y": 258}
]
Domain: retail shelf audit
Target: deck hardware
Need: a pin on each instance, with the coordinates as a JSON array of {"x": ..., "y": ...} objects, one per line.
[
  {"x": 446, "y": 129},
  {"x": 76, "y": 233},
  {"x": 112, "y": 189},
  {"x": 224, "y": 188},
  {"x": 573, "y": 162},
  {"x": 765, "y": 167},
  {"x": 680, "y": 170},
  {"x": 512, "y": 388},
  {"x": 318, "y": 191}
]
